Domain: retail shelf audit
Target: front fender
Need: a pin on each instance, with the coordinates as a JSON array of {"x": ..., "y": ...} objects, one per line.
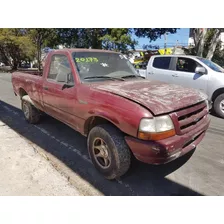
[{"x": 114, "y": 118}]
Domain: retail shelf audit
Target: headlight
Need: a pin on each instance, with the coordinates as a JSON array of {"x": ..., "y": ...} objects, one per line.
[
  {"x": 156, "y": 128},
  {"x": 208, "y": 105},
  {"x": 157, "y": 124}
]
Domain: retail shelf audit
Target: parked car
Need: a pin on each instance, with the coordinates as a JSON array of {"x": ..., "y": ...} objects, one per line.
[
  {"x": 99, "y": 94},
  {"x": 189, "y": 71},
  {"x": 25, "y": 65},
  {"x": 5, "y": 68}
]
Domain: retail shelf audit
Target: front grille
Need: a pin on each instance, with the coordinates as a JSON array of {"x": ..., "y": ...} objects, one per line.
[{"x": 189, "y": 118}]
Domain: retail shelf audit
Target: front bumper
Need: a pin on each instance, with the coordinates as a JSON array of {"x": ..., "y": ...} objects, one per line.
[{"x": 166, "y": 150}]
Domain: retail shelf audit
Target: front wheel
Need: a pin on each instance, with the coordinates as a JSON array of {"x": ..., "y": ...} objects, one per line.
[
  {"x": 219, "y": 105},
  {"x": 108, "y": 151},
  {"x": 31, "y": 114}
]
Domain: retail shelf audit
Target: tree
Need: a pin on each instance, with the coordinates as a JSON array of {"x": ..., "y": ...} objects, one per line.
[
  {"x": 205, "y": 41},
  {"x": 68, "y": 37},
  {"x": 214, "y": 42},
  {"x": 81, "y": 37},
  {"x": 118, "y": 39},
  {"x": 91, "y": 38},
  {"x": 199, "y": 36},
  {"x": 218, "y": 52},
  {"x": 15, "y": 46},
  {"x": 97, "y": 38},
  {"x": 218, "y": 57},
  {"x": 42, "y": 37},
  {"x": 153, "y": 33}
]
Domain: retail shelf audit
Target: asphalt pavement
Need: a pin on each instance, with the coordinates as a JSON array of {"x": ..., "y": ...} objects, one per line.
[{"x": 198, "y": 173}]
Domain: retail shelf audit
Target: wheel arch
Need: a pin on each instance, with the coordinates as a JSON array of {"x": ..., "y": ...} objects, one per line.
[
  {"x": 217, "y": 93},
  {"x": 93, "y": 121},
  {"x": 22, "y": 92}
]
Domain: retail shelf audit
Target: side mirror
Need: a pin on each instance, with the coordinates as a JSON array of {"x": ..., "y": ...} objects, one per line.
[
  {"x": 200, "y": 70},
  {"x": 69, "y": 78},
  {"x": 69, "y": 81}
]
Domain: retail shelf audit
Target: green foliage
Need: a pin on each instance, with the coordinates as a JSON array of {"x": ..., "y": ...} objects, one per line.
[
  {"x": 118, "y": 39},
  {"x": 42, "y": 37},
  {"x": 218, "y": 55},
  {"x": 81, "y": 37},
  {"x": 26, "y": 44},
  {"x": 208, "y": 38},
  {"x": 67, "y": 36},
  {"x": 15, "y": 46},
  {"x": 153, "y": 33},
  {"x": 97, "y": 38}
]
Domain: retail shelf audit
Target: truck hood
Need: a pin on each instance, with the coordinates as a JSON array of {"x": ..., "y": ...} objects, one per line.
[{"x": 158, "y": 97}]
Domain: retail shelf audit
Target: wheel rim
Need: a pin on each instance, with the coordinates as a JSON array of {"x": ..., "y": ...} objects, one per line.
[
  {"x": 222, "y": 106},
  {"x": 101, "y": 153},
  {"x": 26, "y": 110}
]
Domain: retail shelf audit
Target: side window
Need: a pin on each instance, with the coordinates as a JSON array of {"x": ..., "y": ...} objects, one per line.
[
  {"x": 60, "y": 69},
  {"x": 161, "y": 62},
  {"x": 186, "y": 65}
]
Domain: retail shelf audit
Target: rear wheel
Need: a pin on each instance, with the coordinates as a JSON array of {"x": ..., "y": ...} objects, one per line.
[
  {"x": 31, "y": 114},
  {"x": 108, "y": 151},
  {"x": 219, "y": 105}
]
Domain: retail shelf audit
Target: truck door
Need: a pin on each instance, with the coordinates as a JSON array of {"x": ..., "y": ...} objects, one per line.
[
  {"x": 184, "y": 74},
  {"x": 59, "y": 103},
  {"x": 159, "y": 69}
]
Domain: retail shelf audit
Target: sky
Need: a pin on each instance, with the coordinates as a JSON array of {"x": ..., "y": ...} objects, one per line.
[{"x": 181, "y": 35}]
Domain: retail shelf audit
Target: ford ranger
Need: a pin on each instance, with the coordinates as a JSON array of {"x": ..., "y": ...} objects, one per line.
[{"x": 99, "y": 94}]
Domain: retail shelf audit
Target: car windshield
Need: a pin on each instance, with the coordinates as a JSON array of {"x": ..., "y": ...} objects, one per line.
[
  {"x": 94, "y": 66},
  {"x": 212, "y": 65}
]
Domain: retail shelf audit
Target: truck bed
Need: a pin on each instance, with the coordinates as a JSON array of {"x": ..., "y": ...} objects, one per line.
[
  {"x": 31, "y": 71},
  {"x": 28, "y": 81}
]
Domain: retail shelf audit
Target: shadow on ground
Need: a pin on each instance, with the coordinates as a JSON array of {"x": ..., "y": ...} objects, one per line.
[{"x": 142, "y": 179}]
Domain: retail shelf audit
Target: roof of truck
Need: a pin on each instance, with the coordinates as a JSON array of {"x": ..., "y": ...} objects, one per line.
[{"x": 84, "y": 50}]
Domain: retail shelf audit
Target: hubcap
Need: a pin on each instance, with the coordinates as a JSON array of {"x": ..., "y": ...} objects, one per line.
[
  {"x": 222, "y": 106},
  {"x": 26, "y": 110},
  {"x": 101, "y": 154}
]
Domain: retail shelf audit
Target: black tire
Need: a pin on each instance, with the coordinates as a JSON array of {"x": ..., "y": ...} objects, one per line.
[
  {"x": 33, "y": 115},
  {"x": 118, "y": 150},
  {"x": 217, "y": 103}
]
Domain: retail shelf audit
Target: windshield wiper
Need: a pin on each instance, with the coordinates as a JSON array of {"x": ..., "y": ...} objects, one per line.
[
  {"x": 132, "y": 76},
  {"x": 102, "y": 77}
]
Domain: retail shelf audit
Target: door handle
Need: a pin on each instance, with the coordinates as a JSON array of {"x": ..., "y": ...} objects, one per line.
[
  {"x": 152, "y": 73},
  {"x": 45, "y": 87},
  {"x": 175, "y": 75}
]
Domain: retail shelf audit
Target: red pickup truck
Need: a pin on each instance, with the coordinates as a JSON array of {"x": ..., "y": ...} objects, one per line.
[{"x": 99, "y": 94}]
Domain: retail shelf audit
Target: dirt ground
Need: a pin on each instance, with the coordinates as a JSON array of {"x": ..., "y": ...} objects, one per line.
[{"x": 24, "y": 172}]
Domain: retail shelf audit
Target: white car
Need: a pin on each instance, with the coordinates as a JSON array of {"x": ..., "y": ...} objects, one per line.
[{"x": 189, "y": 71}]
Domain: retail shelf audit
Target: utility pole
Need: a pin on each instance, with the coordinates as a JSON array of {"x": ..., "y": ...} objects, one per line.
[
  {"x": 165, "y": 42},
  {"x": 175, "y": 47}
]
